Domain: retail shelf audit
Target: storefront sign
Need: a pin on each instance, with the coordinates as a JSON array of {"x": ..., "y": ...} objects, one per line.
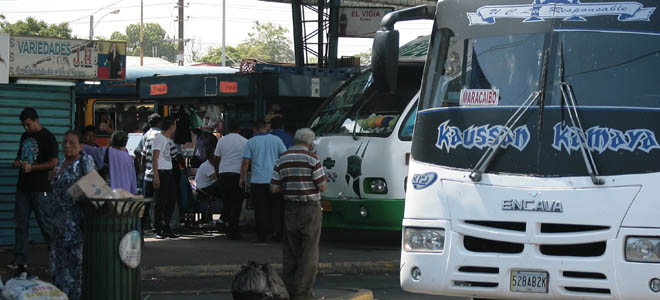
[
  {"x": 361, "y": 22},
  {"x": 4, "y": 58},
  {"x": 41, "y": 57}
]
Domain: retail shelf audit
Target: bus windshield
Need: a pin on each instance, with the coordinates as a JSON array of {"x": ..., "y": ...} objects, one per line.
[
  {"x": 359, "y": 107},
  {"x": 603, "y": 68}
]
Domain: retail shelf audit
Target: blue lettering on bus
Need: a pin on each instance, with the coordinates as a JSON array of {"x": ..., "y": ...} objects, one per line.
[
  {"x": 450, "y": 137},
  {"x": 599, "y": 139}
]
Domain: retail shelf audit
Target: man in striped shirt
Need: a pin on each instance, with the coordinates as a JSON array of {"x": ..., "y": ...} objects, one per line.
[{"x": 299, "y": 176}]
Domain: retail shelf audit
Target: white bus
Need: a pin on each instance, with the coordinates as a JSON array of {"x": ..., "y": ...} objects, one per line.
[
  {"x": 535, "y": 162},
  {"x": 363, "y": 140}
]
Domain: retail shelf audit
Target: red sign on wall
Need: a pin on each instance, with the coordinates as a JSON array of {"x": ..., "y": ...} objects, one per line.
[
  {"x": 158, "y": 89},
  {"x": 228, "y": 87}
]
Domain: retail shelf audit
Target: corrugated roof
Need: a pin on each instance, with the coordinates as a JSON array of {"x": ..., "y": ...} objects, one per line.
[{"x": 397, "y": 4}]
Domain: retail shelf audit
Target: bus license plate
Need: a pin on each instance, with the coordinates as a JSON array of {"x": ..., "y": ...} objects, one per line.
[{"x": 529, "y": 281}]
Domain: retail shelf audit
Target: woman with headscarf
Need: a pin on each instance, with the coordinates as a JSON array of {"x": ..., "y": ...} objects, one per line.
[{"x": 66, "y": 246}]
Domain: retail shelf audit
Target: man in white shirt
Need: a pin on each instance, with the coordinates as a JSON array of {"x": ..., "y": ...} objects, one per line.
[
  {"x": 229, "y": 151},
  {"x": 165, "y": 191}
]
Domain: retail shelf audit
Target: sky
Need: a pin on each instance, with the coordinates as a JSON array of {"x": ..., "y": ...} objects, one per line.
[{"x": 203, "y": 19}]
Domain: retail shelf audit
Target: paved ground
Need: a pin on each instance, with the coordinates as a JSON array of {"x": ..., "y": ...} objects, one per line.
[
  {"x": 383, "y": 286},
  {"x": 200, "y": 256}
]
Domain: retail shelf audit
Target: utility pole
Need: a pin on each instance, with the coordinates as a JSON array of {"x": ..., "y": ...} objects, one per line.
[
  {"x": 179, "y": 56},
  {"x": 224, "y": 8},
  {"x": 91, "y": 27},
  {"x": 141, "y": 32}
]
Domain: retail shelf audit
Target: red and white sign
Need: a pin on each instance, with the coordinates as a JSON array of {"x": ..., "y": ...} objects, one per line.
[
  {"x": 158, "y": 89},
  {"x": 479, "y": 97},
  {"x": 362, "y": 22},
  {"x": 228, "y": 87}
]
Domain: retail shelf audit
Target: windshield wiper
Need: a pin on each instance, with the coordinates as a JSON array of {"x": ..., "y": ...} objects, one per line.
[
  {"x": 488, "y": 156},
  {"x": 569, "y": 97}
]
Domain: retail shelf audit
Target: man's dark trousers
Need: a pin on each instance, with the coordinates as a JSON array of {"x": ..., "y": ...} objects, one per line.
[
  {"x": 300, "y": 248},
  {"x": 165, "y": 198},
  {"x": 148, "y": 192},
  {"x": 26, "y": 202},
  {"x": 233, "y": 201},
  {"x": 261, "y": 198}
]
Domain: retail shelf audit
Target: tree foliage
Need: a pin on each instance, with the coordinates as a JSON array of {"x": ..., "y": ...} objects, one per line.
[
  {"x": 215, "y": 56},
  {"x": 32, "y": 26},
  {"x": 156, "y": 41},
  {"x": 365, "y": 57},
  {"x": 266, "y": 42}
]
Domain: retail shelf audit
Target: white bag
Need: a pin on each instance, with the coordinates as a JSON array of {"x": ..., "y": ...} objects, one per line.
[{"x": 21, "y": 288}]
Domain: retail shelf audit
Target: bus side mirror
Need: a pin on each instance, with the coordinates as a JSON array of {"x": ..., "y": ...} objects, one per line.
[{"x": 385, "y": 60}]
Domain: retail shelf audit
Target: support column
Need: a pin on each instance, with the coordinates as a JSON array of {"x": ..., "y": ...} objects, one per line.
[
  {"x": 321, "y": 57},
  {"x": 296, "y": 9},
  {"x": 333, "y": 40}
]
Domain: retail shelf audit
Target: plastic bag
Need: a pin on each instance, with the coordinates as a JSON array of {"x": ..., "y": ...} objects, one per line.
[
  {"x": 258, "y": 282},
  {"x": 22, "y": 288},
  {"x": 195, "y": 120},
  {"x": 211, "y": 117}
]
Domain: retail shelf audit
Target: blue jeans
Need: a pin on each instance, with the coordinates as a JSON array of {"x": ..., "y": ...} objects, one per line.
[{"x": 26, "y": 202}]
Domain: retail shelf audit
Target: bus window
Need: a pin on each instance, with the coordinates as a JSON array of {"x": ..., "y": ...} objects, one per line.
[
  {"x": 132, "y": 117},
  {"x": 380, "y": 111},
  {"x": 408, "y": 125}
]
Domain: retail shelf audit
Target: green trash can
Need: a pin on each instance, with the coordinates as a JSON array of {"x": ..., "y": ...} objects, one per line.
[{"x": 110, "y": 272}]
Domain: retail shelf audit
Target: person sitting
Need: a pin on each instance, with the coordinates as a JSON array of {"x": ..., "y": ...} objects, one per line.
[{"x": 206, "y": 181}]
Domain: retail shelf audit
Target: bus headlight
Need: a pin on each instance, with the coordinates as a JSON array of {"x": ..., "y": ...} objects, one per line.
[
  {"x": 643, "y": 249},
  {"x": 423, "y": 239},
  {"x": 375, "y": 186}
]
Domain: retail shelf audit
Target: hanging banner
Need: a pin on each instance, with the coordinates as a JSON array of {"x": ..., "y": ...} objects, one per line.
[
  {"x": 361, "y": 22},
  {"x": 40, "y": 57},
  {"x": 4, "y": 58}
]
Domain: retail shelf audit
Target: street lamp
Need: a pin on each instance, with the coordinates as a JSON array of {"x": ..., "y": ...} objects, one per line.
[{"x": 92, "y": 25}]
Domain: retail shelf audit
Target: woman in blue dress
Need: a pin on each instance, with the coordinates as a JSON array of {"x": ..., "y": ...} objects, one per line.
[{"x": 66, "y": 246}]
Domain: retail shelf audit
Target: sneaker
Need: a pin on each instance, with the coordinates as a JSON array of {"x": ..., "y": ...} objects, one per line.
[
  {"x": 171, "y": 235},
  {"x": 159, "y": 236},
  {"x": 14, "y": 266}
]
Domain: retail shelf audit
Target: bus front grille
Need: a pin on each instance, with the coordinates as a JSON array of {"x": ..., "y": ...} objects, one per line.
[
  {"x": 476, "y": 244},
  {"x": 580, "y": 250}
]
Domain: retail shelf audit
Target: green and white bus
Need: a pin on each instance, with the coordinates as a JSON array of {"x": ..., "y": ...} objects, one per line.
[{"x": 363, "y": 140}]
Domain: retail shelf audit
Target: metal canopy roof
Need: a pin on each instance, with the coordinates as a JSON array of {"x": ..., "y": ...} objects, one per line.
[{"x": 397, "y": 4}]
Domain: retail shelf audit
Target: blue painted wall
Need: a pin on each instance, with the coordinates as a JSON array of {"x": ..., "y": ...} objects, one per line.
[{"x": 55, "y": 107}]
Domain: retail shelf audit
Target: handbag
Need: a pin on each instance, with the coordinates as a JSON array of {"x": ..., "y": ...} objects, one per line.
[{"x": 105, "y": 169}]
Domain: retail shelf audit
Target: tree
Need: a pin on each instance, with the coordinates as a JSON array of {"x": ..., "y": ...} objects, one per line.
[
  {"x": 215, "y": 56},
  {"x": 156, "y": 41},
  {"x": 365, "y": 57},
  {"x": 32, "y": 26},
  {"x": 266, "y": 42}
]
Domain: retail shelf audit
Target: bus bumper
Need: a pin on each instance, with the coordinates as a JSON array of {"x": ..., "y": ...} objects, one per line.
[
  {"x": 459, "y": 272},
  {"x": 370, "y": 214}
]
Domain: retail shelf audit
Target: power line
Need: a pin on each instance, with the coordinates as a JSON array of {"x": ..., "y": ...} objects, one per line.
[
  {"x": 79, "y": 9},
  {"x": 98, "y": 10}
]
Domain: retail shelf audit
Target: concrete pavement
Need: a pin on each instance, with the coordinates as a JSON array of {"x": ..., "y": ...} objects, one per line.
[{"x": 199, "y": 255}]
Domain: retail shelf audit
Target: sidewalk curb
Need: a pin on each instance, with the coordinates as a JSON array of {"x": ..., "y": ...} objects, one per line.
[
  {"x": 197, "y": 271},
  {"x": 354, "y": 294}
]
